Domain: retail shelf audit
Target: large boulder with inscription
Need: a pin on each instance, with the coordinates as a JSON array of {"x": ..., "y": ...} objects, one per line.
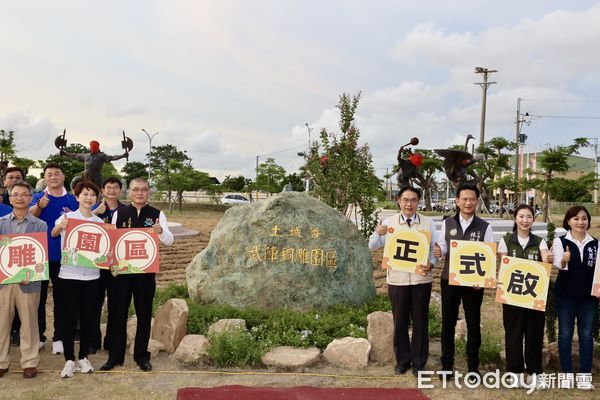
[{"x": 291, "y": 251}]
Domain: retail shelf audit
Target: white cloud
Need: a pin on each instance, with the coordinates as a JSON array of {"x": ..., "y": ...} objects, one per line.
[
  {"x": 30, "y": 132},
  {"x": 128, "y": 109}
]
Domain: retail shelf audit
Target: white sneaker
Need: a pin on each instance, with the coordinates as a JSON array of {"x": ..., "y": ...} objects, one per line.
[
  {"x": 85, "y": 366},
  {"x": 69, "y": 369},
  {"x": 57, "y": 347}
]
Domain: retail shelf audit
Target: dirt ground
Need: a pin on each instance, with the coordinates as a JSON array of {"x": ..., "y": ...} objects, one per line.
[{"x": 129, "y": 382}]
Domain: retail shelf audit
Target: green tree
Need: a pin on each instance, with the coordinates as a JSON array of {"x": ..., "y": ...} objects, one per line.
[
  {"x": 249, "y": 187},
  {"x": 234, "y": 184},
  {"x": 184, "y": 177},
  {"x": 71, "y": 167},
  {"x": 108, "y": 169},
  {"x": 577, "y": 190},
  {"x": 8, "y": 152},
  {"x": 24, "y": 163},
  {"x": 134, "y": 169},
  {"x": 342, "y": 171},
  {"x": 504, "y": 183},
  {"x": 554, "y": 160},
  {"x": 7, "y": 145},
  {"x": 162, "y": 161},
  {"x": 297, "y": 182},
  {"x": 270, "y": 177},
  {"x": 496, "y": 161}
]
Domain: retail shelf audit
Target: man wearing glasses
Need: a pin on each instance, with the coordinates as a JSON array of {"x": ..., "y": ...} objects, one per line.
[
  {"x": 139, "y": 214},
  {"x": 409, "y": 292},
  {"x": 12, "y": 175},
  {"x": 111, "y": 190},
  {"x": 25, "y": 297}
]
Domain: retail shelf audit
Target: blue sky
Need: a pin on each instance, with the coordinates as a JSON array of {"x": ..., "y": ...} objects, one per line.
[{"x": 230, "y": 80}]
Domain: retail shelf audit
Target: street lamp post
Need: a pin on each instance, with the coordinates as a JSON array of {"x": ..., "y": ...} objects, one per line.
[
  {"x": 484, "y": 85},
  {"x": 150, "y": 137}
]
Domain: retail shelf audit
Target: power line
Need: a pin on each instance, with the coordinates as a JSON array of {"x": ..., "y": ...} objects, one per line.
[
  {"x": 281, "y": 151},
  {"x": 564, "y": 116},
  {"x": 562, "y": 100}
]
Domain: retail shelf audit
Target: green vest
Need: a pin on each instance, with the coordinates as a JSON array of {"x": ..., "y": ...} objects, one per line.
[{"x": 531, "y": 250}]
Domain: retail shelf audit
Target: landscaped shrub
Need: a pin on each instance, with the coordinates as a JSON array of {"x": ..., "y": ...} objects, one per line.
[
  {"x": 235, "y": 349},
  {"x": 267, "y": 328}
]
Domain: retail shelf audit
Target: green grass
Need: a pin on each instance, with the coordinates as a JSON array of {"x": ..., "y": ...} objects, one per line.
[
  {"x": 489, "y": 352},
  {"x": 269, "y": 328}
]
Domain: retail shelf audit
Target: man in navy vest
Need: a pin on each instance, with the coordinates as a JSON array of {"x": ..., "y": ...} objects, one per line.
[
  {"x": 139, "y": 286},
  {"x": 465, "y": 225},
  {"x": 111, "y": 191}
]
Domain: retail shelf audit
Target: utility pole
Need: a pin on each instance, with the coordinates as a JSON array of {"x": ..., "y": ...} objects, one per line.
[
  {"x": 256, "y": 178},
  {"x": 388, "y": 189},
  {"x": 520, "y": 139},
  {"x": 306, "y": 155},
  {"x": 484, "y": 85},
  {"x": 517, "y": 144}
]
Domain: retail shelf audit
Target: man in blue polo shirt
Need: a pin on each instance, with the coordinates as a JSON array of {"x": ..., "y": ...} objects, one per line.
[{"x": 48, "y": 205}]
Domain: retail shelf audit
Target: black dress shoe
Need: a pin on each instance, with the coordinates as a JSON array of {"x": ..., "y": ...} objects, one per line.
[
  {"x": 109, "y": 365},
  {"x": 401, "y": 369},
  {"x": 474, "y": 378},
  {"x": 145, "y": 366},
  {"x": 92, "y": 350},
  {"x": 15, "y": 338}
]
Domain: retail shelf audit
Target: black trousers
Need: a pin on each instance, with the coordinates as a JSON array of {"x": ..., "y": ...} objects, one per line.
[
  {"x": 471, "y": 300},
  {"x": 411, "y": 302},
  {"x": 522, "y": 323},
  {"x": 96, "y": 334},
  {"x": 79, "y": 300},
  {"x": 141, "y": 287},
  {"x": 57, "y": 294}
]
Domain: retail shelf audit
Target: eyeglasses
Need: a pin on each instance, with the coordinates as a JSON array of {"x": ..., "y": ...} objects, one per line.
[
  {"x": 107, "y": 187},
  {"x": 409, "y": 201},
  {"x": 20, "y": 195},
  {"x": 137, "y": 190}
]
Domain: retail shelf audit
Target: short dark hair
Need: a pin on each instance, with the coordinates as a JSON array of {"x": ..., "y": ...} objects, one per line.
[
  {"x": 573, "y": 211},
  {"x": 22, "y": 184},
  {"x": 54, "y": 166},
  {"x": 143, "y": 180},
  {"x": 467, "y": 186},
  {"x": 112, "y": 179},
  {"x": 85, "y": 185},
  {"x": 412, "y": 189},
  {"x": 519, "y": 208},
  {"x": 15, "y": 169}
]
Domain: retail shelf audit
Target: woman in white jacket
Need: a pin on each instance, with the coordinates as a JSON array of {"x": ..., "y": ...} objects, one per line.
[{"x": 79, "y": 285}]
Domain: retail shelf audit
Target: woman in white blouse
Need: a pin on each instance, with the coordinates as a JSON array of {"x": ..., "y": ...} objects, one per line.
[{"x": 79, "y": 285}]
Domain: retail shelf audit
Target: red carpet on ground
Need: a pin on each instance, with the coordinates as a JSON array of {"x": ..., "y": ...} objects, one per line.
[{"x": 297, "y": 393}]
